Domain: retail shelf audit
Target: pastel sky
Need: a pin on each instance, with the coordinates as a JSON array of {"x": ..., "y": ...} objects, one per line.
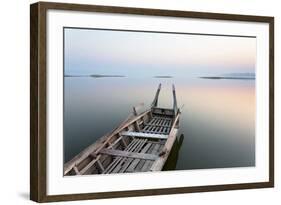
[{"x": 89, "y": 51}]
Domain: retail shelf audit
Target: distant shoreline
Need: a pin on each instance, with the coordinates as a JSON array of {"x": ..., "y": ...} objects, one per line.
[
  {"x": 107, "y": 76},
  {"x": 97, "y": 76},
  {"x": 77, "y": 76},
  {"x": 113, "y": 76},
  {"x": 229, "y": 78},
  {"x": 163, "y": 76}
]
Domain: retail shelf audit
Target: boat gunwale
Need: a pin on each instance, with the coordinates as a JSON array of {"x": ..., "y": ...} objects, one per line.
[
  {"x": 91, "y": 148},
  {"x": 101, "y": 143}
]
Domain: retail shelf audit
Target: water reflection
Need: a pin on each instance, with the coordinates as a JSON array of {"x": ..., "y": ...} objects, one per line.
[
  {"x": 218, "y": 117},
  {"x": 172, "y": 160}
]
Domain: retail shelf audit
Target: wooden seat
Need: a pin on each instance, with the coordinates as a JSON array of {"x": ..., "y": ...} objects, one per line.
[{"x": 144, "y": 135}]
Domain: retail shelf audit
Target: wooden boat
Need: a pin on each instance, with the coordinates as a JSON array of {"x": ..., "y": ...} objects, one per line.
[{"x": 141, "y": 143}]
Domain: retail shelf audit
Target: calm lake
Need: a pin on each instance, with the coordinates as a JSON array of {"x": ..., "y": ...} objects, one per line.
[{"x": 217, "y": 124}]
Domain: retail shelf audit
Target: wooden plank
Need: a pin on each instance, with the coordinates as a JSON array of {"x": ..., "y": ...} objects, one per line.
[
  {"x": 124, "y": 159},
  {"x": 148, "y": 164},
  {"x": 160, "y": 121},
  {"x": 120, "y": 159},
  {"x": 153, "y": 120},
  {"x": 115, "y": 142},
  {"x": 115, "y": 161},
  {"x": 136, "y": 161},
  {"x": 135, "y": 111},
  {"x": 124, "y": 142},
  {"x": 175, "y": 105},
  {"x": 148, "y": 124},
  {"x": 142, "y": 162},
  {"x": 153, "y": 129},
  {"x": 155, "y": 149},
  {"x": 157, "y": 129},
  {"x": 76, "y": 170},
  {"x": 86, "y": 168},
  {"x": 129, "y": 160},
  {"x": 161, "y": 130},
  {"x": 159, "y": 112},
  {"x": 150, "y": 114},
  {"x": 161, "y": 133},
  {"x": 162, "y": 108},
  {"x": 129, "y": 154},
  {"x": 145, "y": 129},
  {"x": 166, "y": 129},
  {"x": 137, "y": 126},
  {"x": 100, "y": 165},
  {"x": 145, "y": 135},
  {"x": 150, "y": 129},
  {"x": 170, "y": 123},
  {"x": 155, "y": 101}
]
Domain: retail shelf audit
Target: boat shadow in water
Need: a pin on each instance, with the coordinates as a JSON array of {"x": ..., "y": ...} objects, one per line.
[{"x": 172, "y": 160}]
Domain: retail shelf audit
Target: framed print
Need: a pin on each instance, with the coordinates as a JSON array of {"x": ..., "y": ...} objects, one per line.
[{"x": 134, "y": 102}]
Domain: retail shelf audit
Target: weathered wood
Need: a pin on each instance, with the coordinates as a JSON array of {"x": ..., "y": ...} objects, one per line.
[
  {"x": 129, "y": 160},
  {"x": 159, "y": 163},
  {"x": 155, "y": 101},
  {"x": 175, "y": 104},
  {"x": 100, "y": 165},
  {"x": 117, "y": 160},
  {"x": 136, "y": 161},
  {"x": 158, "y": 125},
  {"x": 135, "y": 108},
  {"x": 119, "y": 165},
  {"x": 129, "y": 154},
  {"x": 135, "y": 111},
  {"x": 85, "y": 169},
  {"x": 163, "y": 112},
  {"x": 148, "y": 164},
  {"x": 115, "y": 143},
  {"x": 150, "y": 115},
  {"x": 137, "y": 126},
  {"x": 123, "y": 141},
  {"x": 145, "y": 135},
  {"x": 76, "y": 170},
  {"x": 142, "y": 162}
]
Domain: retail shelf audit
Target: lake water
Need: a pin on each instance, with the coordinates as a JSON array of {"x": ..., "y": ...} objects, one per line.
[{"x": 217, "y": 124}]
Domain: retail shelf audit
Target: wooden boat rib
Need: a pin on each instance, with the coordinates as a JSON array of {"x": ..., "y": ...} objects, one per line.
[{"x": 141, "y": 143}]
